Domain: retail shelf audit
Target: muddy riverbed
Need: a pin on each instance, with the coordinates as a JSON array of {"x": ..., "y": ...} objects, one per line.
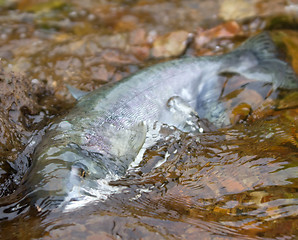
[{"x": 239, "y": 182}]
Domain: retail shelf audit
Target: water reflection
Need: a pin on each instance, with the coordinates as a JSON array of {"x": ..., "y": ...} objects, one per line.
[
  {"x": 240, "y": 179},
  {"x": 234, "y": 183}
]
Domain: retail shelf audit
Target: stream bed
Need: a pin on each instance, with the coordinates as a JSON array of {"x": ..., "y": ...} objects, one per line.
[{"x": 237, "y": 182}]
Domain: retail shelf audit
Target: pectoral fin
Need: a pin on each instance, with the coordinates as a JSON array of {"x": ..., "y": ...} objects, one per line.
[
  {"x": 128, "y": 141},
  {"x": 76, "y": 93}
]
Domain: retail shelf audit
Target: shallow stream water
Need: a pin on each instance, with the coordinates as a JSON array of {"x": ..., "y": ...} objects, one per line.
[{"x": 238, "y": 182}]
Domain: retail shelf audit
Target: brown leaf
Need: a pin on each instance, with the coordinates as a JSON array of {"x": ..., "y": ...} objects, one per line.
[{"x": 240, "y": 112}]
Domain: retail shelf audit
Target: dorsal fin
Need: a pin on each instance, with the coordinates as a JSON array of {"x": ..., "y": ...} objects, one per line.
[
  {"x": 262, "y": 45},
  {"x": 76, "y": 93}
]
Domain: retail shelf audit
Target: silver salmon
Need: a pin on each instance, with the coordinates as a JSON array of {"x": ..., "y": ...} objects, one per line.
[{"x": 100, "y": 137}]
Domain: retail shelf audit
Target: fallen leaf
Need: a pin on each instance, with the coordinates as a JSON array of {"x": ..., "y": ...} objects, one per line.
[{"x": 240, "y": 112}]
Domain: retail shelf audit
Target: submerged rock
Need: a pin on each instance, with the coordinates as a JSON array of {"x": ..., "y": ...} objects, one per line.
[
  {"x": 170, "y": 45},
  {"x": 18, "y": 99}
]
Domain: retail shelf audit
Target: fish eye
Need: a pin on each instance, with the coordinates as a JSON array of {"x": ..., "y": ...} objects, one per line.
[
  {"x": 80, "y": 170},
  {"x": 82, "y": 173}
]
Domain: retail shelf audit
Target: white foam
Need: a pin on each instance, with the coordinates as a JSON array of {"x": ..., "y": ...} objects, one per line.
[
  {"x": 101, "y": 193},
  {"x": 153, "y": 135},
  {"x": 104, "y": 189},
  {"x": 159, "y": 163},
  {"x": 142, "y": 190}
]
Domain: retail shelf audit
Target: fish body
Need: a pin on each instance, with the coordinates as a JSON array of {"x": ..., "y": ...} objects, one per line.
[{"x": 100, "y": 137}]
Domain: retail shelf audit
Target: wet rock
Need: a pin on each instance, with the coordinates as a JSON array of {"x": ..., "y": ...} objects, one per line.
[
  {"x": 140, "y": 52},
  {"x": 40, "y": 6},
  {"x": 237, "y": 9},
  {"x": 168, "y": 16},
  {"x": 103, "y": 72},
  {"x": 137, "y": 37},
  {"x": 126, "y": 23},
  {"x": 277, "y": 7},
  {"x": 16, "y": 92},
  {"x": 289, "y": 101},
  {"x": 225, "y": 30},
  {"x": 6, "y": 54},
  {"x": 18, "y": 101},
  {"x": 139, "y": 44},
  {"x": 170, "y": 45},
  {"x": 9, "y": 136},
  {"x": 118, "y": 40},
  {"x": 117, "y": 57}
]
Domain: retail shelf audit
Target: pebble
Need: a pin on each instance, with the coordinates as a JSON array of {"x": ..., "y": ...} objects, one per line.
[{"x": 170, "y": 45}]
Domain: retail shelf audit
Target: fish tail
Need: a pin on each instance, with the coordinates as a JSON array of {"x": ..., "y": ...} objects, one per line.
[
  {"x": 257, "y": 58},
  {"x": 261, "y": 45}
]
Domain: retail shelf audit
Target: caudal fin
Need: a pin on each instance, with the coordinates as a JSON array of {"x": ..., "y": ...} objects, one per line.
[
  {"x": 257, "y": 59},
  {"x": 261, "y": 45}
]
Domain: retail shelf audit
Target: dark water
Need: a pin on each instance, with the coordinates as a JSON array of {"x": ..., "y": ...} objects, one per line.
[{"x": 234, "y": 183}]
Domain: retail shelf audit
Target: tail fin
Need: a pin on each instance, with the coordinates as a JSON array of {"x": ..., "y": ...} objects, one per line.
[
  {"x": 261, "y": 45},
  {"x": 257, "y": 59}
]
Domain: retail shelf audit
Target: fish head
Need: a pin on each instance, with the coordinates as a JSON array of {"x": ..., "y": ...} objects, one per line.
[{"x": 63, "y": 174}]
